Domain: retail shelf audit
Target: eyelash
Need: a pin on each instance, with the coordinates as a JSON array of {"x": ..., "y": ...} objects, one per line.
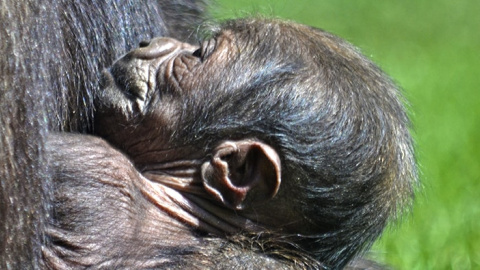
[{"x": 206, "y": 49}]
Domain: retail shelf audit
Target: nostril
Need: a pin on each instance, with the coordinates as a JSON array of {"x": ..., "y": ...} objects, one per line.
[
  {"x": 154, "y": 48},
  {"x": 144, "y": 43}
]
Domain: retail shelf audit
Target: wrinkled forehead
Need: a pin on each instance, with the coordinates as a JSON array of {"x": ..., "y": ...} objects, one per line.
[
  {"x": 268, "y": 29},
  {"x": 249, "y": 42},
  {"x": 273, "y": 39},
  {"x": 250, "y": 31}
]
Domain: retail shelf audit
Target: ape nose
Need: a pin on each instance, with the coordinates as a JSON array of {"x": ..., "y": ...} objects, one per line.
[{"x": 154, "y": 48}]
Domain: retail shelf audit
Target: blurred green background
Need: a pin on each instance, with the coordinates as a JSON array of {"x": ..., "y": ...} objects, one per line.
[{"x": 432, "y": 49}]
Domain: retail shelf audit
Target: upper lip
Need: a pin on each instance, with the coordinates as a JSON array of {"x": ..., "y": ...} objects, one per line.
[
  {"x": 136, "y": 72},
  {"x": 128, "y": 78}
]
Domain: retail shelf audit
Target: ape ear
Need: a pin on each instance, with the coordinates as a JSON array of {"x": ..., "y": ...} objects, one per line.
[{"x": 242, "y": 172}]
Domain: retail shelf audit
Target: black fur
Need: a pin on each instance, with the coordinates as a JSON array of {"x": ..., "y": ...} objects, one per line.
[{"x": 52, "y": 53}]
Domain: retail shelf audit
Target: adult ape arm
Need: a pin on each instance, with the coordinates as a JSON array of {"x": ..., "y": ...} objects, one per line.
[{"x": 51, "y": 56}]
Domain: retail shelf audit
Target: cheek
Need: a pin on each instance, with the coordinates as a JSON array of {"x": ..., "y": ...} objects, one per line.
[
  {"x": 160, "y": 119},
  {"x": 176, "y": 76},
  {"x": 190, "y": 74},
  {"x": 163, "y": 114},
  {"x": 188, "y": 79},
  {"x": 184, "y": 65}
]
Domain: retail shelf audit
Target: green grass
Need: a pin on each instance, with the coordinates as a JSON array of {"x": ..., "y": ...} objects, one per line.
[{"x": 432, "y": 49}]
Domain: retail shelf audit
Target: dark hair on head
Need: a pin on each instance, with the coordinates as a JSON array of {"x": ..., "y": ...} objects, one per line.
[{"x": 337, "y": 121}]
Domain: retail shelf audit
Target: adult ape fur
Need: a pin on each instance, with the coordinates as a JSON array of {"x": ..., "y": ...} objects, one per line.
[{"x": 52, "y": 54}]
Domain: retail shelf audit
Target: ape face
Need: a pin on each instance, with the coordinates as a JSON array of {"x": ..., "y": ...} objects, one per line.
[
  {"x": 167, "y": 86},
  {"x": 137, "y": 88},
  {"x": 153, "y": 84}
]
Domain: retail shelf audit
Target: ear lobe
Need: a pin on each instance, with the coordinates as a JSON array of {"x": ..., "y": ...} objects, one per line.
[{"x": 241, "y": 173}]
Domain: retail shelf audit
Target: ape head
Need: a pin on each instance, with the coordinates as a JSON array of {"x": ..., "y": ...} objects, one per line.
[{"x": 273, "y": 128}]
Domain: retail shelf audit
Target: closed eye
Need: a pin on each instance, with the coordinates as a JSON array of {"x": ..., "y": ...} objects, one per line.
[
  {"x": 206, "y": 49},
  {"x": 198, "y": 53},
  {"x": 209, "y": 47}
]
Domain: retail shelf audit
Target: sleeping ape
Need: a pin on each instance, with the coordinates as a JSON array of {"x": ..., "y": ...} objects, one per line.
[{"x": 271, "y": 146}]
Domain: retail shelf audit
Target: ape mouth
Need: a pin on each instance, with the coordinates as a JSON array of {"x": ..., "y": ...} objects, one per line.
[
  {"x": 142, "y": 75},
  {"x": 133, "y": 78}
]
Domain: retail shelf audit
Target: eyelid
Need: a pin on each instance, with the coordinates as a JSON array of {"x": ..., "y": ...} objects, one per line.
[
  {"x": 209, "y": 47},
  {"x": 206, "y": 49},
  {"x": 198, "y": 52}
]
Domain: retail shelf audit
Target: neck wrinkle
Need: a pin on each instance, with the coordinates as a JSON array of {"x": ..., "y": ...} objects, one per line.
[
  {"x": 167, "y": 158},
  {"x": 177, "y": 189}
]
